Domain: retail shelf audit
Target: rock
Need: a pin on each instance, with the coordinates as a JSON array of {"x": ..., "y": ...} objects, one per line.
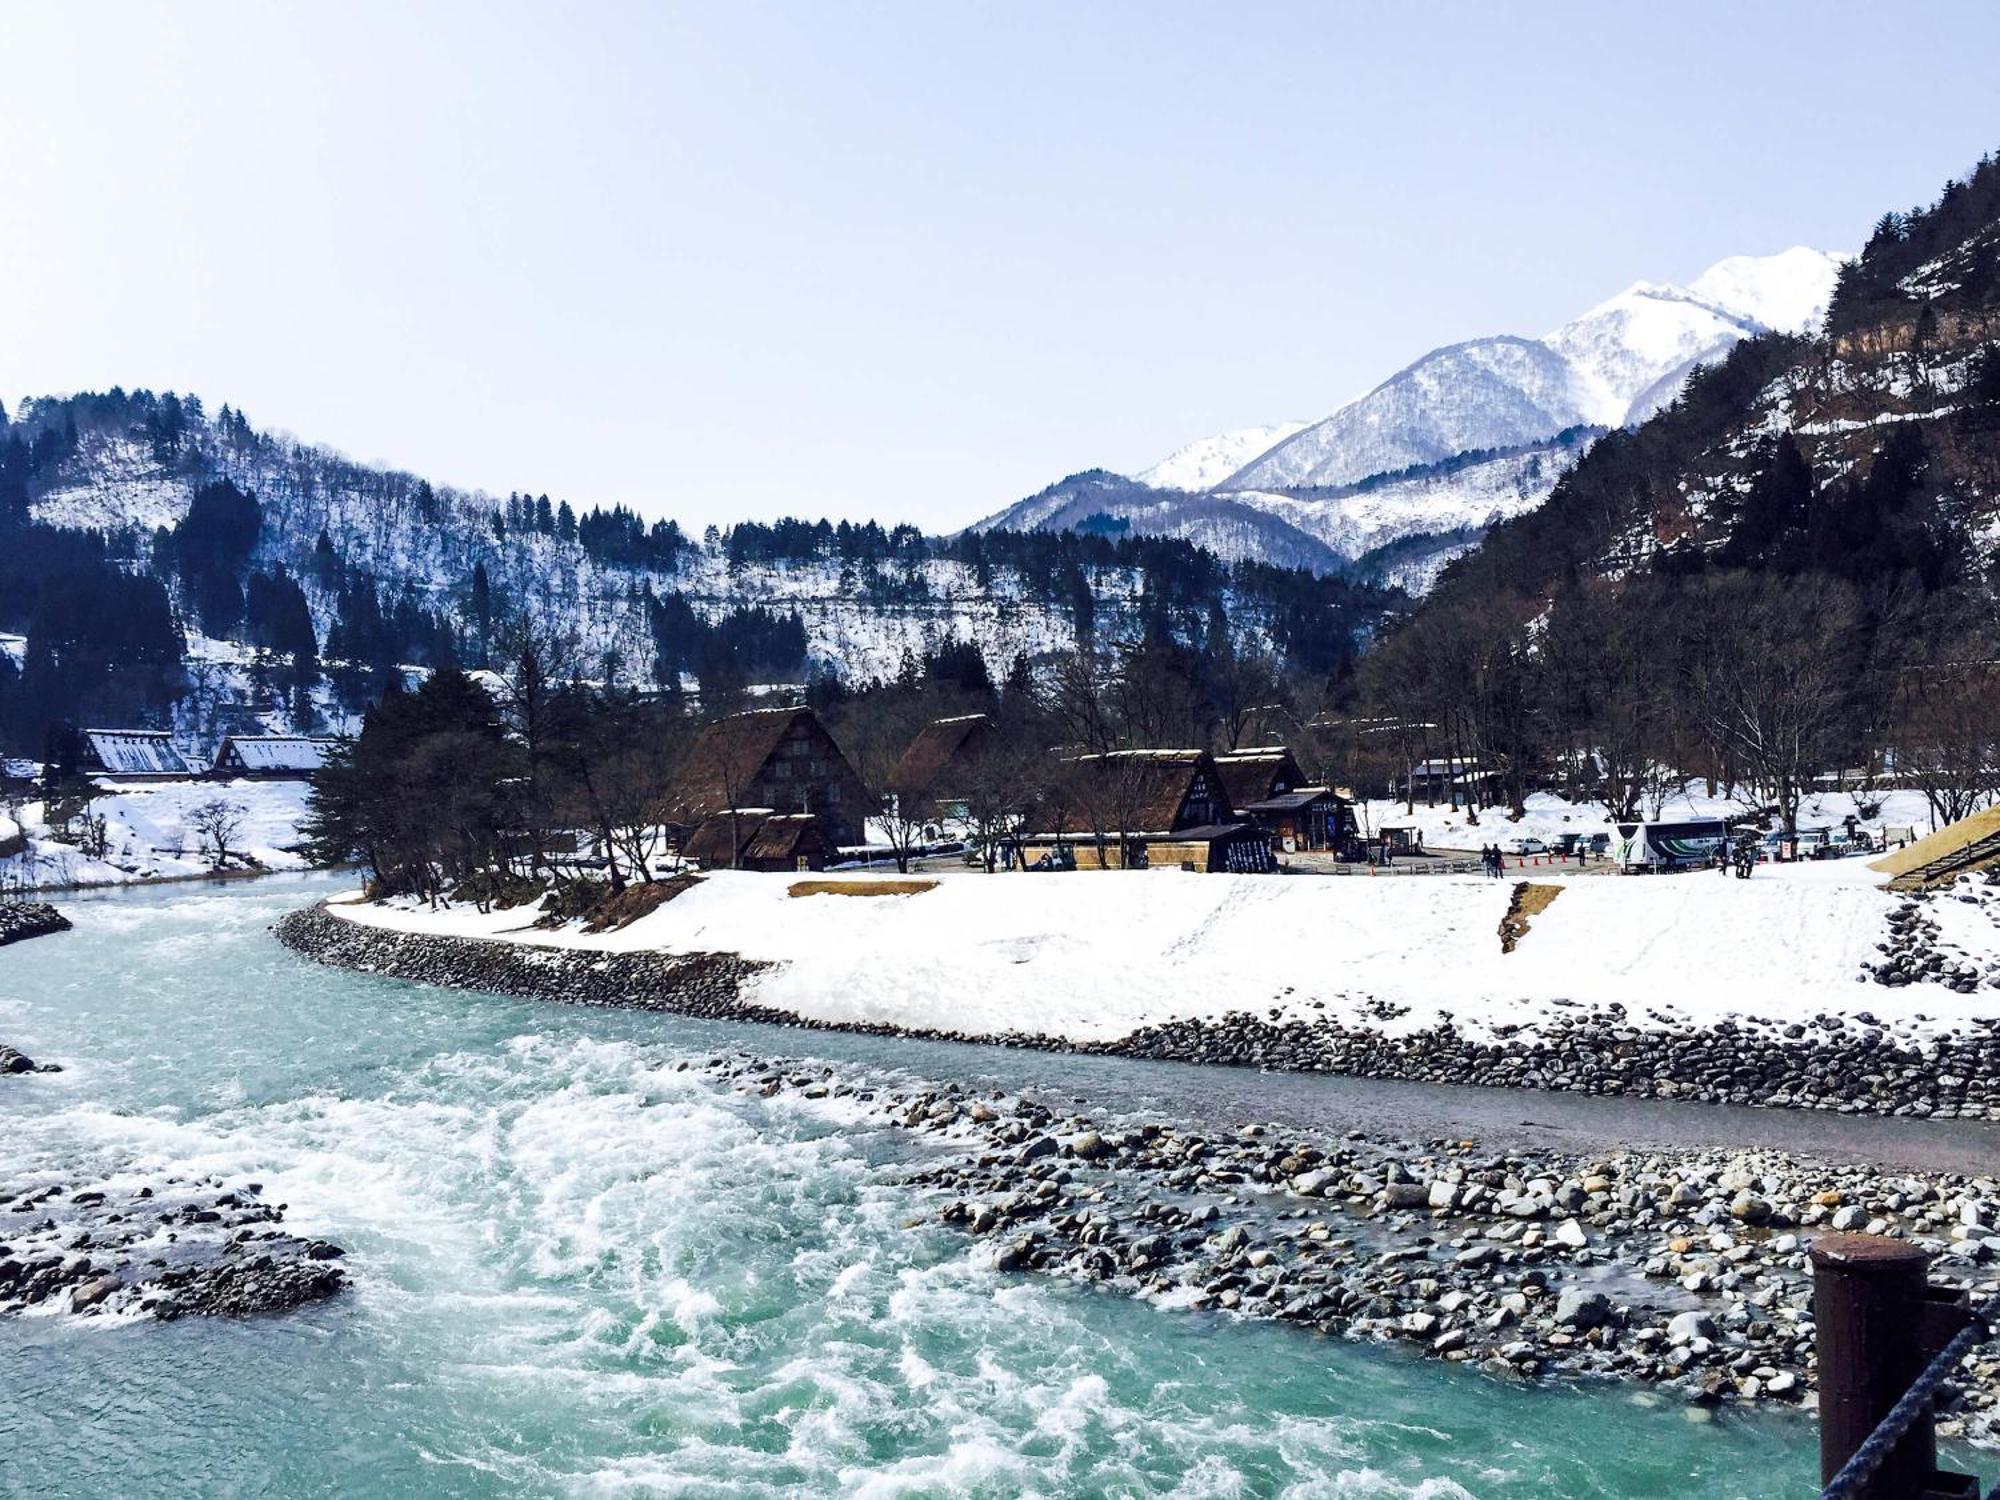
[
  {"x": 1088, "y": 1145},
  {"x": 93, "y": 1292},
  {"x": 1750, "y": 1209},
  {"x": 1685, "y": 1328},
  {"x": 1582, "y": 1309},
  {"x": 1569, "y": 1232}
]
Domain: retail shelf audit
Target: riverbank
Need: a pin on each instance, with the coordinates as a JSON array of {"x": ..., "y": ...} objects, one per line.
[
  {"x": 1685, "y": 1272},
  {"x": 149, "y": 835},
  {"x": 1699, "y": 989},
  {"x": 579, "y": 1262}
]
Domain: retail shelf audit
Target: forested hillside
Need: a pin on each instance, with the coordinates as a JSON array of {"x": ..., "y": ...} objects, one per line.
[
  {"x": 164, "y": 565},
  {"x": 1788, "y": 571}
]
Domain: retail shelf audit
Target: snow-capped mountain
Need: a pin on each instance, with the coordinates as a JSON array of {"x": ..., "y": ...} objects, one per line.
[
  {"x": 1609, "y": 367},
  {"x": 1206, "y": 462},
  {"x": 1466, "y": 435}
]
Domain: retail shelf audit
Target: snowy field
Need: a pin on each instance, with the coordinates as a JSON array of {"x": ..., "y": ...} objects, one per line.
[
  {"x": 1548, "y": 816},
  {"x": 1096, "y": 955},
  {"x": 149, "y": 834}
]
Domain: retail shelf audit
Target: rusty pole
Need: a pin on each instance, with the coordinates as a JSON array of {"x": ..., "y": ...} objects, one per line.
[{"x": 1879, "y": 1322}]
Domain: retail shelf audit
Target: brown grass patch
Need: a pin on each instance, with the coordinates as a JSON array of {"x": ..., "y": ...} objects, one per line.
[
  {"x": 636, "y": 901},
  {"x": 1530, "y": 900},
  {"x": 860, "y": 887}
]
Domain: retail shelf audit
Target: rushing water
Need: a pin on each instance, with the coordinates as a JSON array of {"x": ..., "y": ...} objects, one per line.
[{"x": 581, "y": 1271}]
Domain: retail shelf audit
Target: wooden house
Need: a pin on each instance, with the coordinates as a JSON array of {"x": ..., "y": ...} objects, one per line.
[
  {"x": 1306, "y": 818},
  {"x": 132, "y": 755},
  {"x": 936, "y": 768},
  {"x": 270, "y": 757},
  {"x": 1254, "y": 774},
  {"x": 781, "y": 760},
  {"x": 1154, "y": 808},
  {"x": 758, "y": 839}
]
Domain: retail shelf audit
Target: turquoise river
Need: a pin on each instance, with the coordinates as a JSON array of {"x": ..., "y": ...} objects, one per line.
[{"x": 579, "y": 1271}]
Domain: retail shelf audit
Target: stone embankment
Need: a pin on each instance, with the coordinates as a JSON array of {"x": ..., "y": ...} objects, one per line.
[
  {"x": 21, "y": 920},
  {"x": 1685, "y": 1272},
  {"x": 1850, "y": 1063},
  {"x": 173, "y": 1250}
]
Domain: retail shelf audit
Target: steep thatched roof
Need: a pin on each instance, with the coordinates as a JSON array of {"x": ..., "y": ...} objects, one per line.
[
  {"x": 1257, "y": 773},
  {"x": 1146, "y": 791},
  {"x": 727, "y": 755},
  {"x": 931, "y": 753}
]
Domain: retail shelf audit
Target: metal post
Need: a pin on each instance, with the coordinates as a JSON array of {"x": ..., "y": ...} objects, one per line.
[{"x": 1879, "y": 1322}]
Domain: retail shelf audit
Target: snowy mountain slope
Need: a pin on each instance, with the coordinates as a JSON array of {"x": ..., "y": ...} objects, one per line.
[
  {"x": 1487, "y": 393},
  {"x": 1359, "y": 518},
  {"x": 1206, "y": 462},
  {"x": 1593, "y": 369},
  {"x": 1788, "y": 292},
  {"x": 1483, "y": 417}
]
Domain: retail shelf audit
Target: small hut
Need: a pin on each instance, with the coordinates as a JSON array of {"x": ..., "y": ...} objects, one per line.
[{"x": 1306, "y": 818}]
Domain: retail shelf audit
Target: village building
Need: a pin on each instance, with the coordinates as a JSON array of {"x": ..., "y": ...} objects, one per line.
[
  {"x": 133, "y": 755},
  {"x": 1451, "y": 779},
  {"x": 270, "y": 757},
  {"x": 781, "y": 760},
  {"x": 934, "y": 774},
  {"x": 759, "y": 839},
  {"x": 1160, "y": 809},
  {"x": 1267, "y": 787}
]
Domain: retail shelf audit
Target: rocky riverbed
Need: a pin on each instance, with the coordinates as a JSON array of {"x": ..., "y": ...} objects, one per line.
[
  {"x": 1847, "y": 1062},
  {"x": 21, "y": 920},
  {"x": 180, "y": 1248},
  {"x": 1684, "y": 1272}
]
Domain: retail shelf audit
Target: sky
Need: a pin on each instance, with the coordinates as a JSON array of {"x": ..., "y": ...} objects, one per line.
[{"x": 909, "y": 261}]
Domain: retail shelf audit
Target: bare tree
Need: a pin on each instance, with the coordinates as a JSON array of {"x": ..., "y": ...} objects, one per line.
[{"x": 216, "y": 823}]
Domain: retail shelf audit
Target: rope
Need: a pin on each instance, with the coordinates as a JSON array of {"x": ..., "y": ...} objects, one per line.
[{"x": 1869, "y": 1457}]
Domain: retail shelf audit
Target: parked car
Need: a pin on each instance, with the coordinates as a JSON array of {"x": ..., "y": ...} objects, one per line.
[{"x": 1528, "y": 846}]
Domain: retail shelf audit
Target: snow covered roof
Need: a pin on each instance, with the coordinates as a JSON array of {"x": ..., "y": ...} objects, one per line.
[
  {"x": 272, "y": 752},
  {"x": 134, "y": 752}
]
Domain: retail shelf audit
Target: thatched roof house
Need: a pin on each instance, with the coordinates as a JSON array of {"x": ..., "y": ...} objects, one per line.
[
  {"x": 935, "y": 765},
  {"x": 1260, "y": 772},
  {"x": 275, "y": 757},
  {"x": 778, "y": 759},
  {"x": 758, "y": 839},
  {"x": 134, "y": 754}
]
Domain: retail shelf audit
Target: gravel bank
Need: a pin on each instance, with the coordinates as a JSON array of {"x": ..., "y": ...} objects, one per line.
[
  {"x": 172, "y": 1250},
  {"x": 21, "y": 920},
  {"x": 1846, "y": 1063}
]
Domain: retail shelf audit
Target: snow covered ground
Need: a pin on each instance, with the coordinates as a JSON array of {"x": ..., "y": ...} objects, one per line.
[
  {"x": 1548, "y": 816},
  {"x": 149, "y": 835},
  {"x": 1097, "y": 955}
]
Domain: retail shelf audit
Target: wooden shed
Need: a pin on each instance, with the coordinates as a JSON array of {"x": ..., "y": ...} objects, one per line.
[
  {"x": 1308, "y": 818},
  {"x": 759, "y": 839}
]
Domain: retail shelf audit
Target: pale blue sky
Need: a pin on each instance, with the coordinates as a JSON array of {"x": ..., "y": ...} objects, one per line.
[{"x": 911, "y": 261}]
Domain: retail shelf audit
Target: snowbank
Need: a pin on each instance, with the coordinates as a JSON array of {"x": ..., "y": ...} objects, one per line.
[
  {"x": 1548, "y": 816},
  {"x": 1093, "y": 956},
  {"x": 149, "y": 834}
]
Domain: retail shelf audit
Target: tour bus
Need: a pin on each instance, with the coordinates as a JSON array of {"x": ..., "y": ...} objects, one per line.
[{"x": 1670, "y": 846}]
